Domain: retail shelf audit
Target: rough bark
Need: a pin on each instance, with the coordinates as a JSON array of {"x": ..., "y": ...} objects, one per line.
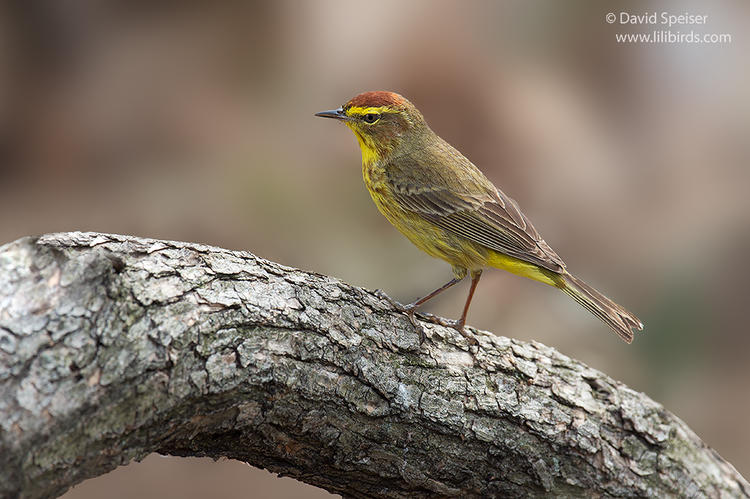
[{"x": 113, "y": 347}]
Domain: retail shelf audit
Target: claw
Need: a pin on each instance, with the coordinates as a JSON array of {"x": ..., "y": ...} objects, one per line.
[
  {"x": 460, "y": 327},
  {"x": 469, "y": 337},
  {"x": 409, "y": 310},
  {"x": 434, "y": 319},
  {"x": 383, "y": 296},
  {"x": 397, "y": 305}
]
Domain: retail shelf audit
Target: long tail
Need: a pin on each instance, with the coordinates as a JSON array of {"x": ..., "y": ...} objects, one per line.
[{"x": 609, "y": 312}]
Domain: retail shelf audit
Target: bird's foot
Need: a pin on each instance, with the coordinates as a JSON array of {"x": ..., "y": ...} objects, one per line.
[
  {"x": 383, "y": 296},
  {"x": 453, "y": 324},
  {"x": 459, "y": 326},
  {"x": 409, "y": 310}
]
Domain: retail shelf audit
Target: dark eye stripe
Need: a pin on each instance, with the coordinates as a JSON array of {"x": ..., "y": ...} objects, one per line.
[{"x": 371, "y": 117}]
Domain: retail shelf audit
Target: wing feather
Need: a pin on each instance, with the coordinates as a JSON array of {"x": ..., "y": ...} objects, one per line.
[{"x": 477, "y": 211}]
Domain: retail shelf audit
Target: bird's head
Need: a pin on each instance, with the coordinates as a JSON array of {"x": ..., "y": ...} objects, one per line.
[{"x": 382, "y": 121}]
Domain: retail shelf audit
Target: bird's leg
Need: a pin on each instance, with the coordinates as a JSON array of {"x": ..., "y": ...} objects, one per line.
[
  {"x": 413, "y": 305},
  {"x": 459, "y": 326},
  {"x": 411, "y": 308}
]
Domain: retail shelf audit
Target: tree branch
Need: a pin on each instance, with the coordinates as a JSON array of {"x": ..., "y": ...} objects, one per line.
[{"x": 113, "y": 347}]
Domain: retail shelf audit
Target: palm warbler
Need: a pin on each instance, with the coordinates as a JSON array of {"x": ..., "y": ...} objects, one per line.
[{"x": 444, "y": 205}]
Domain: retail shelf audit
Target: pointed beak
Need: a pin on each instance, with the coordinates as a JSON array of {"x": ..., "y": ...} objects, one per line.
[{"x": 337, "y": 114}]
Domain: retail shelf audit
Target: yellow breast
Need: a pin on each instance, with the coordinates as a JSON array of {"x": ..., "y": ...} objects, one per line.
[{"x": 425, "y": 235}]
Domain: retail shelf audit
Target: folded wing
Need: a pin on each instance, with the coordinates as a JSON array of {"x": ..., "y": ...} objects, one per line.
[{"x": 471, "y": 207}]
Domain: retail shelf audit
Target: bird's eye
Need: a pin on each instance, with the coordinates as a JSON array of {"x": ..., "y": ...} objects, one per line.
[{"x": 371, "y": 118}]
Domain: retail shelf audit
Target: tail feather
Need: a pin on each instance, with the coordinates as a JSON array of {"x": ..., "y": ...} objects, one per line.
[{"x": 609, "y": 312}]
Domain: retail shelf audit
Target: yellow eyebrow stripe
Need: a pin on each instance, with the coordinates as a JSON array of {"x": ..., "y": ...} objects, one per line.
[{"x": 361, "y": 111}]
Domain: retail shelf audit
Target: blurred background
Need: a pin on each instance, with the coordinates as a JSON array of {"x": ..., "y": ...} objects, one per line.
[{"x": 194, "y": 121}]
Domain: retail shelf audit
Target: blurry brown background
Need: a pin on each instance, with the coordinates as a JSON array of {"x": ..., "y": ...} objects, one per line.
[{"x": 194, "y": 121}]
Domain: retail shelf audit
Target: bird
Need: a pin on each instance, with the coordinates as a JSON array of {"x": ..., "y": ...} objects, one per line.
[{"x": 448, "y": 208}]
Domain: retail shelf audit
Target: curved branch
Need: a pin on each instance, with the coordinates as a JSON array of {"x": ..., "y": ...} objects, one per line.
[{"x": 113, "y": 347}]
